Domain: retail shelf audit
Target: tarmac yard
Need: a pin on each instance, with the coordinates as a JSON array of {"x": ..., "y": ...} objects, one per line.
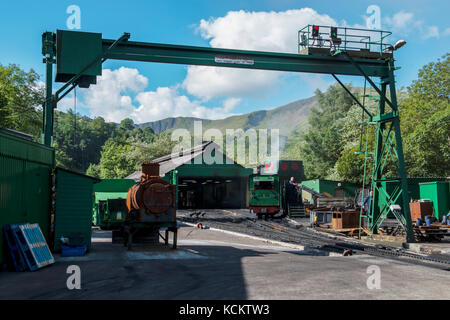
[{"x": 211, "y": 264}]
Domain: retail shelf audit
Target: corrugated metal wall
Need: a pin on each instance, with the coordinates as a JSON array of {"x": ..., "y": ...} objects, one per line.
[
  {"x": 73, "y": 214},
  {"x": 25, "y": 169},
  {"x": 413, "y": 189}
]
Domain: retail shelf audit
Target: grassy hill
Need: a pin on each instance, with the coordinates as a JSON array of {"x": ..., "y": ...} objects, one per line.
[
  {"x": 172, "y": 123},
  {"x": 288, "y": 118}
]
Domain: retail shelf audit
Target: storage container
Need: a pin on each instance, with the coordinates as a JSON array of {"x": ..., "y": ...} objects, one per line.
[
  {"x": 420, "y": 209},
  {"x": 73, "y": 251},
  {"x": 438, "y": 193}
]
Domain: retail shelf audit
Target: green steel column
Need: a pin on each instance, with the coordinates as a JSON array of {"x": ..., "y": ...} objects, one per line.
[
  {"x": 175, "y": 182},
  {"x": 401, "y": 161},
  {"x": 377, "y": 170},
  {"x": 48, "y": 51},
  {"x": 48, "y": 106}
]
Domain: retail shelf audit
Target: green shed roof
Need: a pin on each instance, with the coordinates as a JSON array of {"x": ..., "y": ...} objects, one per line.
[{"x": 114, "y": 185}]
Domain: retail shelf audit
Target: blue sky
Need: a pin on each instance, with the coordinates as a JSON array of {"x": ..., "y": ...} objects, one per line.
[{"x": 148, "y": 91}]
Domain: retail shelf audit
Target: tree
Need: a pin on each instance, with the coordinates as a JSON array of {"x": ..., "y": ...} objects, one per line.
[
  {"x": 428, "y": 147},
  {"x": 115, "y": 160},
  {"x": 427, "y": 95},
  {"x": 350, "y": 166},
  {"x": 147, "y": 151},
  {"x": 21, "y": 97},
  {"x": 93, "y": 170},
  {"x": 79, "y": 139},
  {"x": 323, "y": 145},
  {"x": 425, "y": 116}
]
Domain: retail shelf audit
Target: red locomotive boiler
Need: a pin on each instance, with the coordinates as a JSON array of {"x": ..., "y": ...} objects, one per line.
[{"x": 151, "y": 205}]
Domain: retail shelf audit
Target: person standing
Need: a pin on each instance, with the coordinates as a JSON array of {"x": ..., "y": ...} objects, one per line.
[
  {"x": 292, "y": 181},
  {"x": 294, "y": 190},
  {"x": 367, "y": 202}
]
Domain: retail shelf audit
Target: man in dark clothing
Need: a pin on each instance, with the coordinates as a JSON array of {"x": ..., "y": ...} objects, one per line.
[
  {"x": 292, "y": 181},
  {"x": 293, "y": 190},
  {"x": 367, "y": 202}
]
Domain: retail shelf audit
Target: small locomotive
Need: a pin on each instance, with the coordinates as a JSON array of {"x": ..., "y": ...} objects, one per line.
[
  {"x": 264, "y": 195},
  {"x": 271, "y": 192},
  {"x": 151, "y": 205}
]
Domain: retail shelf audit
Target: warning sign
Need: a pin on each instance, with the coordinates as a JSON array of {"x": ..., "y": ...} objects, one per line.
[{"x": 234, "y": 60}]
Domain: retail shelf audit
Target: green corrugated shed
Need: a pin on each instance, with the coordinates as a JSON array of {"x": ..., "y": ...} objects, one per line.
[
  {"x": 112, "y": 189},
  {"x": 413, "y": 188},
  {"x": 73, "y": 214},
  {"x": 223, "y": 183},
  {"x": 25, "y": 170},
  {"x": 114, "y": 185},
  {"x": 109, "y": 189},
  {"x": 213, "y": 170},
  {"x": 236, "y": 194},
  {"x": 438, "y": 193},
  {"x": 334, "y": 188}
]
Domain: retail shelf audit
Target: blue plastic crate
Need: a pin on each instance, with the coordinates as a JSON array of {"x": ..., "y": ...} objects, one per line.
[{"x": 73, "y": 251}]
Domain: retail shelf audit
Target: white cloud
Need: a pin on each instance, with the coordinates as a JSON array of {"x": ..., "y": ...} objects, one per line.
[
  {"x": 166, "y": 102},
  {"x": 263, "y": 31},
  {"x": 446, "y": 32},
  {"x": 431, "y": 32},
  {"x": 404, "y": 23},
  {"x": 67, "y": 103},
  {"x": 112, "y": 99},
  {"x": 230, "y": 103},
  {"x": 400, "y": 21},
  {"x": 122, "y": 93},
  {"x": 211, "y": 82}
]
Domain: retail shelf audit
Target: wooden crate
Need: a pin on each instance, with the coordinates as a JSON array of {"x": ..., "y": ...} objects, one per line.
[
  {"x": 420, "y": 209},
  {"x": 345, "y": 220}
]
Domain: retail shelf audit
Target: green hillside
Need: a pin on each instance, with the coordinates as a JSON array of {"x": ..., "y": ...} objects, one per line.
[
  {"x": 172, "y": 123},
  {"x": 287, "y": 118}
]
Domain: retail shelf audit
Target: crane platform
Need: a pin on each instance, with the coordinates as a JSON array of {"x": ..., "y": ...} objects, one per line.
[{"x": 315, "y": 40}]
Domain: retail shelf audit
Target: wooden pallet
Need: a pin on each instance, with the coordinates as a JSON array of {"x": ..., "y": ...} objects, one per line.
[{"x": 432, "y": 232}]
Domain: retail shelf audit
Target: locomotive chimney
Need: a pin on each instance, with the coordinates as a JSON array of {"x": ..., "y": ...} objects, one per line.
[{"x": 149, "y": 169}]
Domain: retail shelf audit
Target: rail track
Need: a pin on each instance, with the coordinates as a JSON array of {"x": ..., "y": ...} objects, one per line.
[{"x": 283, "y": 231}]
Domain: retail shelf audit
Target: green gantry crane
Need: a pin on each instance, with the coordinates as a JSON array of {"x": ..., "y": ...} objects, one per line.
[{"x": 322, "y": 49}]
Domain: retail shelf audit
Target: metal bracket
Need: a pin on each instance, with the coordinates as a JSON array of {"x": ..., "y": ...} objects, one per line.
[{"x": 73, "y": 80}]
